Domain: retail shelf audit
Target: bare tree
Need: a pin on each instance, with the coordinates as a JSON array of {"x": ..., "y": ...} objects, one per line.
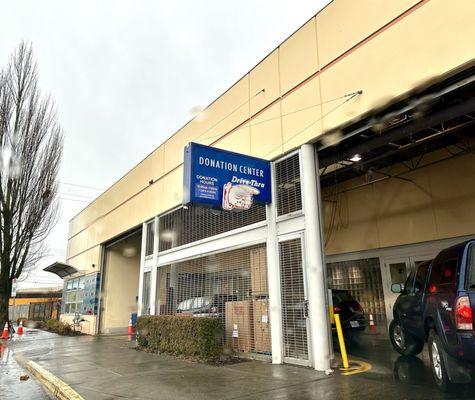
[{"x": 31, "y": 148}]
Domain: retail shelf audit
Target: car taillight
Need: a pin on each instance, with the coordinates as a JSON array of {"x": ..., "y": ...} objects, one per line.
[
  {"x": 463, "y": 314},
  {"x": 336, "y": 309}
]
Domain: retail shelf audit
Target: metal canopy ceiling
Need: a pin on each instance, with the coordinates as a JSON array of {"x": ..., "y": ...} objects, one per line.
[
  {"x": 437, "y": 116},
  {"x": 61, "y": 269}
]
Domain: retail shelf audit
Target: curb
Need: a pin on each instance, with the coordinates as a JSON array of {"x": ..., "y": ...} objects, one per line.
[{"x": 55, "y": 387}]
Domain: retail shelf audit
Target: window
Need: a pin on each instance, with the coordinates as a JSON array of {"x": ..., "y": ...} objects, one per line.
[
  {"x": 409, "y": 284},
  {"x": 398, "y": 272},
  {"x": 74, "y": 295},
  {"x": 362, "y": 279},
  {"x": 289, "y": 194},
  {"x": 421, "y": 277},
  {"x": 449, "y": 269},
  {"x": 150, "y": 232},
  {"x": 471, "y": 267},
  {"x": 443, "y": 275}
]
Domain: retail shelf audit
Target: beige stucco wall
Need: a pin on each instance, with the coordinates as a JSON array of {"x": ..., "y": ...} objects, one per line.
[
  {"x": 87, "y": 326},
  {"x": 381, "y": 47},
  {"x": 439, "y": 203},
  {"x": 121, "y": 284}
]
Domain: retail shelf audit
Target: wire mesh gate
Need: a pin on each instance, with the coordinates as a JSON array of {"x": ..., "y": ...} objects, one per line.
[
  {"x": 294, "y": 301},
  {"x": 231, "y": 286}
]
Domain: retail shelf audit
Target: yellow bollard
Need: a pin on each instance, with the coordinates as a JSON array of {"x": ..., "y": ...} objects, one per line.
[{"x": 341, "y": 341}]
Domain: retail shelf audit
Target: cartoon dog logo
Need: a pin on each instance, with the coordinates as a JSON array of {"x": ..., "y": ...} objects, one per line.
[{"x": 239, "y": 197}]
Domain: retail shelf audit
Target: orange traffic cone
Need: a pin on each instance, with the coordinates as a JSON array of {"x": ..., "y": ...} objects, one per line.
[
  {"x": 5, "y": 331},
  {"x": 130, "y": 328},
  {"x": 372, "y": 328},
  {"x": 20, "y": 328},
  {"x": 3, "y": 347}
]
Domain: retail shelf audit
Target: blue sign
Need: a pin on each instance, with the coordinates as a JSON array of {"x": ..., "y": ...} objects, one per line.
[{"x": 224, "y": 179}]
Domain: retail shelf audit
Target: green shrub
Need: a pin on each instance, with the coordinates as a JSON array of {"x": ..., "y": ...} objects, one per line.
[
  {"x": 59, "y": 327},
  {"x": 193, "y": 337}
]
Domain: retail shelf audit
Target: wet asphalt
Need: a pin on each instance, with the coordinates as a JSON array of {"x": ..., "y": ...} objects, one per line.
[
  {"x": 110, "y": 368},
  {"x": 10, "y": 385}
]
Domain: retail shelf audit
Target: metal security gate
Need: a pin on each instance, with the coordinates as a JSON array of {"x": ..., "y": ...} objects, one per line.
[
  {"x": 231, "y": 286},
  {"x": 294, "y": 302}
]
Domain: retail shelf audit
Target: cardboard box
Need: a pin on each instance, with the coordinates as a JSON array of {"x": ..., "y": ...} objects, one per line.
[
  {"x": 239, "y": 327},
  {"x": 259, "y": 272},
  {"x": 262, "y": 342}
]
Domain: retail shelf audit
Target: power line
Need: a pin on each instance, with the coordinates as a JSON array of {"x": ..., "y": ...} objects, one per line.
[
  {"x": 81, "y": 186},
  {"x": 78, "y": 195},
  {"x": 347, "y": 96},
  {"x": 77, "y": 200}
]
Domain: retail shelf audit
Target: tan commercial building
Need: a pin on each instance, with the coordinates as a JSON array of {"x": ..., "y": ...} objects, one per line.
[{"x": 368, "y": 109}]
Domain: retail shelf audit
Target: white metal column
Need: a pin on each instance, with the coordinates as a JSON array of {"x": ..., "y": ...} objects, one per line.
[
  {"x": 142, "y": 266},
  {"x": 315, "y": 260},
  {"x": 275, "y": 306},
  {"x": 153, "y": 284}
]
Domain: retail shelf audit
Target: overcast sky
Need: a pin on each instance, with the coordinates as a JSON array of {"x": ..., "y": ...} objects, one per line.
[{"x": 125, "y": 75}]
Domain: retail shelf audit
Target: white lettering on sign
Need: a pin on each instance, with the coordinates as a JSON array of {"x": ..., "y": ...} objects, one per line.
[
  {"x": 228, "y": 166},
  {"x": 250, "y": 182}
]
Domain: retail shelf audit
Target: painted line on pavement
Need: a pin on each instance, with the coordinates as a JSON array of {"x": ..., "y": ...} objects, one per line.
[{"x": 356, "y": 367}]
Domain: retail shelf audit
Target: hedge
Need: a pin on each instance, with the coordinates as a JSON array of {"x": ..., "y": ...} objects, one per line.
[
  {"x": 59, "y": 327},
  {"x": 194, "y": 337}
]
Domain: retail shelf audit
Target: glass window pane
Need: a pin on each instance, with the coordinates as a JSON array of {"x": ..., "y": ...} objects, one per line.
[
  {"x": 421, "y": 277},
  {"x": 69, "y": 285},
  {"x": 398, "y": 272},
  {"x": 82, "y": 282},
  {"x": 362, "y": 279},
  {"x": 75, "y": 284},
  {"x": 449, "y": 270}
]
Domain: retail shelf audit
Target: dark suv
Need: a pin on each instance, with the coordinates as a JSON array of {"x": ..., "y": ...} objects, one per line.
[
  {"x": 436, "y": 305},
  {"x": 350, "y": 311}
]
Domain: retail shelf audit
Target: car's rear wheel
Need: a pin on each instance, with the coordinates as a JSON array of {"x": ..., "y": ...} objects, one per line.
[
  {"x": 403, "y": 342},
  {"x": 437, "y": 361}
]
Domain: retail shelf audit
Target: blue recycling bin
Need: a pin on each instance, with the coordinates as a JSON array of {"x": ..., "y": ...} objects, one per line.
[{"x": 134, "y": 319}]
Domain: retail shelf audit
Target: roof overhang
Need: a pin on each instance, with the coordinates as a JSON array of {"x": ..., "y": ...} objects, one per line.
[{"x": 61, "y": 269}]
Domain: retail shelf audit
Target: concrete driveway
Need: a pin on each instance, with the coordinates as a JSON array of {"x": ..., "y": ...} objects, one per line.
[{"x": 110, "y": 368}]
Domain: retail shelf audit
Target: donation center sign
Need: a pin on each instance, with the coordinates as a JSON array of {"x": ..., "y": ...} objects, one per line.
[{"x": 223, "y": 179}]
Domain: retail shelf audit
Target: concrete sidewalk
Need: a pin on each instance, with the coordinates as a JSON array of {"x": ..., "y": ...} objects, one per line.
[{"x": 110, "y": 368}]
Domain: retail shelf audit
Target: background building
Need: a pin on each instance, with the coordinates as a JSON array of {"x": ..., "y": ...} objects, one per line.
[
  {"x": 35, "y": 304},
  {"x": 367, "y": 109}
]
